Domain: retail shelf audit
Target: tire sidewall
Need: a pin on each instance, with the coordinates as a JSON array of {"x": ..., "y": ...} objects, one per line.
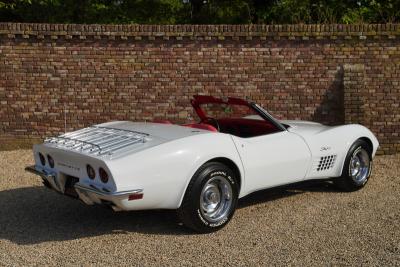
[
  {"x": 202, "y": 178},
  {"x": 355, "y": 148}
]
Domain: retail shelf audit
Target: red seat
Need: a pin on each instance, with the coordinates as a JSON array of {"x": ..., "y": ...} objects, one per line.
[{"x": 201, "y": 126}]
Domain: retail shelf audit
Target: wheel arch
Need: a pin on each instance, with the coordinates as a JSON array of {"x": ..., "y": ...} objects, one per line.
[
  {"x": 231, "y": 165},
  {"x": 224, "y": 160},
  {"x": 366, "y": 140},
  {"x": 370, "y": 144}
]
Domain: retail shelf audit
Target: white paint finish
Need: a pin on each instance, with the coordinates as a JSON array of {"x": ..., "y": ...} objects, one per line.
[
  {"x": 73, "y": 163},
  {"x": 305, "y": 127},
  {"x": 163, "y": 172},
  {"x": 159, "y": 130},
  {"x": 325, "y": 141},
  {"x": 164, "y": 167},
  {"x": 272, "y": 160}
]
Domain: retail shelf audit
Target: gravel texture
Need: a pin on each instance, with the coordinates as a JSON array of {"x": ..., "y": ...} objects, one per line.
[{"x": 308, "y": 224}]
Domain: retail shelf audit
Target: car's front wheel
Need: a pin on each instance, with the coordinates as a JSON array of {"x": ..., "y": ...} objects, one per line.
[
  {"x": 210, "y": 199},
  {"x": 357, "y": 167}
]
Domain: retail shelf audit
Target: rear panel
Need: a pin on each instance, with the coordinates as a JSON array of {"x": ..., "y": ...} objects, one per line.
[{"x": 71, "y": 164}]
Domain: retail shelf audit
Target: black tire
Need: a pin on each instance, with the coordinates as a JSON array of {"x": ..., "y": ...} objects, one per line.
[
  {"x": 192, "y": 213},
  {"x": 348, "y": 182}
]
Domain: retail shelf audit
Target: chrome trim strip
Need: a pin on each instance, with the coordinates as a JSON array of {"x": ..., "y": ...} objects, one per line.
[
  {"x": 121, "y": 130},
  {"x": 70, "y": 143},
  {"x": 84, "y": 188},
  {"x": 266, "y": 116},
  {"x": 45, "y": 175}
]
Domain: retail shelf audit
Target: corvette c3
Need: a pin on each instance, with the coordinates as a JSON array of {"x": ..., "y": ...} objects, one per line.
[{"x": 201, "y": 169}]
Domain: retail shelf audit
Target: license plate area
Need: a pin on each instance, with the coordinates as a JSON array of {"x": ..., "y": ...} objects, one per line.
[{"x": 70, "y": 182}]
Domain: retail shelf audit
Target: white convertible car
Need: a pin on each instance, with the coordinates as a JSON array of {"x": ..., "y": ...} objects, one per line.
[{"x": 201, "y": 169}]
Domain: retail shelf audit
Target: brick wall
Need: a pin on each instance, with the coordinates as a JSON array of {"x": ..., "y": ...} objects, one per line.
[{"x": 333, "y": 74}]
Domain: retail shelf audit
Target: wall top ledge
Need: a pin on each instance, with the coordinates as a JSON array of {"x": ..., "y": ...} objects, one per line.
[{"x": 293, "y": 31}]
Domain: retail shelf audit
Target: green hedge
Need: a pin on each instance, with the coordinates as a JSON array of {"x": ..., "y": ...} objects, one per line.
[{"x": 200, "y": 11}]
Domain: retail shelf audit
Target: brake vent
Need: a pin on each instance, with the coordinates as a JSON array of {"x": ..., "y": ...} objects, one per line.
[{"x": 326, "y": 162}]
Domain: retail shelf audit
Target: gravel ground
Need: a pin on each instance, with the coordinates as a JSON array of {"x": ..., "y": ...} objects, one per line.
[{"x": 309, "y": 224}]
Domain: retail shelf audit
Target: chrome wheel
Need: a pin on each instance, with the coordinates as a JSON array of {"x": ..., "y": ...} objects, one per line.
[
  {"x": 216, "y": 199},
  {"x": 359, "y": 165}
]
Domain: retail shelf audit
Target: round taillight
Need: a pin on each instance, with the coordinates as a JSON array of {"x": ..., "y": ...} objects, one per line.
[
  {"x": 51, "y": 161},
  {"x": 90, "y": 172},
  {"x": 103, "y": 175},
  {"x": 42, "y": 159}
]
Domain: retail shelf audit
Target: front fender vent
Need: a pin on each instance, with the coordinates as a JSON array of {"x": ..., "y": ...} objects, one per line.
[{"x": 326, "y": 162}]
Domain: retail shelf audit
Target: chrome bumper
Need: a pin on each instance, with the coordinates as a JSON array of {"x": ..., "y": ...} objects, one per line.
[
  {"x": 37, "y": 171},
  {"x": 49, "y": 179},
  {"x": 96, "y": 191},
  {"x": 88, "y": 193}
]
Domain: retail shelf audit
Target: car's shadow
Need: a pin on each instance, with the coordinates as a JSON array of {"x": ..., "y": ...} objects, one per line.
[{"x": 33, "y": 215}]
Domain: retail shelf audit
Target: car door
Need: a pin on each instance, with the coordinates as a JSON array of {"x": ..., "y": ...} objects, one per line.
[{"x": 272, "y": 160}]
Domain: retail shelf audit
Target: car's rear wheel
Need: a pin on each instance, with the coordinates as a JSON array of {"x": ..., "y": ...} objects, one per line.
[
  {"x": 357, "y": 167},
  {"x": 210, "y": 199}
]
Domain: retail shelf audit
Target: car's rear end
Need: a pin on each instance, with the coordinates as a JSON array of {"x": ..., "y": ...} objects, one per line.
[
  {"x": 75, "y": 164},
  {"x": 125, "y": 165}
]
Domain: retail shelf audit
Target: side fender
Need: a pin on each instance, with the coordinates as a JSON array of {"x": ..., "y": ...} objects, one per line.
[
  {"x": 164, "y": 171},
  {"x": 355, "y": 132},
  {"x": 336, "y": 141}
]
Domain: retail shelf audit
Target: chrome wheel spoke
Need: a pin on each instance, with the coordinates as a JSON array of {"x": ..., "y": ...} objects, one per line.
[
  {"x": 215, "y": 199},
  {"x": 359, "y": 165}
]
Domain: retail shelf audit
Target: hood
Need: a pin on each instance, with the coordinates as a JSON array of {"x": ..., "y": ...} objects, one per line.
[{"x": 305, "y": 128}]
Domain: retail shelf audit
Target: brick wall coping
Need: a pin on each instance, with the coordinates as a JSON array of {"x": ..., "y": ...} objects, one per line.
[{"x": 207, "y": 32}]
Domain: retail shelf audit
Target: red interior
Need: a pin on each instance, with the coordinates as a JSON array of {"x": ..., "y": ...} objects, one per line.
[
  {"x": 238, "y": 126},
  {"x": 246, "y": 127},
  {"x": 242, "y": 127}
]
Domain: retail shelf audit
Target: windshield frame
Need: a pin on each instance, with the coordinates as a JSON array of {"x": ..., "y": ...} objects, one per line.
[{"x": 267, "y": 116}]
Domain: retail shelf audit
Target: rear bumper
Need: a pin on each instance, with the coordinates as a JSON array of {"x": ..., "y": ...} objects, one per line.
[
  {"x": 89, "y": 193},
  {"x": 49, "y": 178},
  {"x": 117, "y": 200}
]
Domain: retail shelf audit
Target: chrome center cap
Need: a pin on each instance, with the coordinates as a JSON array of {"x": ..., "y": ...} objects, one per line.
[
  {"x": 355, "y": 166},
  {"x": 213, "y": 197}
]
